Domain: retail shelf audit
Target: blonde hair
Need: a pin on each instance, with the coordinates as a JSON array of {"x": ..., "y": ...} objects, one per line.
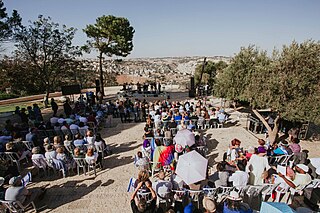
[
  {"x": 46, "y": 141},
  {"x": 56, "y": 140},
  {"x": 9, "y": 146},
  {"x": 143, "y": 175}
]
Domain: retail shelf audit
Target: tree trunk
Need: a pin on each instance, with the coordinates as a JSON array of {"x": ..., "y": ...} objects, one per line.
[
  {"x": 273, "y": 133},
  {"x": 202, "y": 70},
  {"x": 101, "y": 75}
]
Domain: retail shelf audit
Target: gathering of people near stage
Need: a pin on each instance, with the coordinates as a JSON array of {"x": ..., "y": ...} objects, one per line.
[
  {"x": 169, "y": 180},
  {"x": 173, "y": 170}
]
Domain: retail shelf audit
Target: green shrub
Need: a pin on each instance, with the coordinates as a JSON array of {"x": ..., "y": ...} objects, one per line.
[{"x": 4, "y": 96}]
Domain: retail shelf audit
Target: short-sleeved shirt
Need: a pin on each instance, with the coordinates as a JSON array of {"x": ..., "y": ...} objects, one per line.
[
  {"x": 302, "y": 179},
  {"x": 16, "y": 194},
  {"x": 150, "y": 208}
]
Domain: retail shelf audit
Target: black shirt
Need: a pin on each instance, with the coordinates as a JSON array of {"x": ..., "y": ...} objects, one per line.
[{"x": 150, "y": 207}]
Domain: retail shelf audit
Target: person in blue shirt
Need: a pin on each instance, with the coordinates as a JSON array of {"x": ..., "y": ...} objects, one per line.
[{"x": 234, "y": 204}]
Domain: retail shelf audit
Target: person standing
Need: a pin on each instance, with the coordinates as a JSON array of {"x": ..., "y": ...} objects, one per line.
[
  {"x": 67, "y": 108},
  {"x": 54, "y": 107}
]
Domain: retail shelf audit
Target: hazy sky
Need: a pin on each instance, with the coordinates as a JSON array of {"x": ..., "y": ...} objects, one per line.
[{"x": 189, "y": 27}]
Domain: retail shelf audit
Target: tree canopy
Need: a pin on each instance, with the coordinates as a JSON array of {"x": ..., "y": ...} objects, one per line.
[
  {"x": 47, "y": 48},
  {"x": 7, "y": 23},
  {"x": 209, "y": 71},
  {"x": 288, "y": 81},
  {"x": 111, "y": 36}
]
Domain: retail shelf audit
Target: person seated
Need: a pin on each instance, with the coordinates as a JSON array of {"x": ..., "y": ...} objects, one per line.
[
  {"x": 177, "y": 116},
  {"x": 161, "y": 186},
  {"x": 181, "y": 125},
  {"x": 18, "y": 192},
  {"x": 250, "y": 152},
  {"x": 79, "y": 142},
  {"x": 74, "y": 128},
  {"x": 21, "y": 151},
  {"x": 222, "y": 117},
  {"x": 220, "y": 177},
  {"x": 36, "y": 153},
  {"x": 61, "y": 119},
  {"x": 142, "y": 203},
  {"x": 295, "y": 146},
  {"x": 147, "y": 132},
  {"x": 83, "y": 127},
  {"x": 78, "y": 153},
  {"x": 143, "y": 176},
  {"x": 65, "y": 126},
  {"x": 57, "y": 142},
  {"x": 239, "y": 178},
  {"x": 172, "y": 123},
  {"x": 93, "y": 157},
  {"x": 300, "y": 178},
  {"x": 209, "y": 205},
  {"x": 53, "y": 120},
  {"x": 92, "y": 118},
  {"x": 68, "y": 140},
  {"x": 234, "y": 204},
  {"x": 141, "y": 162},
  {"x": 50, "y": 152},
  {"x": 83, "y": 120},
  {"x": 282, "y": 149},
  {"x": 100, "y": 142},
  {"x": 90, "y": 138},
  {"x": 57, "y": 127}
]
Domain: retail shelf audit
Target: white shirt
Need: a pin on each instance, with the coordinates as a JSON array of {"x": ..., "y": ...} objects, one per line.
[
  {"x": 256, "y": 166},
  {"x": 239, "y": 178}
]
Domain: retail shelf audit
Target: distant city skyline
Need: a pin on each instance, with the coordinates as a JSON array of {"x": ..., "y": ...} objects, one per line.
[{"x": 187, "y": 28}]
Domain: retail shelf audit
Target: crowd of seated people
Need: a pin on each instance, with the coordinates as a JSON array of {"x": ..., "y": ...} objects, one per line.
[{"x": 241, "y": 168}]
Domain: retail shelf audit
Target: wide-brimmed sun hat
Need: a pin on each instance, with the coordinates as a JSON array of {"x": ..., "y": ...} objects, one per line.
[{"x": 209, "y": 204}]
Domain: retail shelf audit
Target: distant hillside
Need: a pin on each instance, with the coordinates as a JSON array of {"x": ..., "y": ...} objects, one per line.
[{"x": 167, "y": 70}]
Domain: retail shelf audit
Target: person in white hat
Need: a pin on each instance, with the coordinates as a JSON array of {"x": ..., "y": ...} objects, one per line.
[
  {"x": 234, "y": 204},
  {"x": 301, "y": 176}
]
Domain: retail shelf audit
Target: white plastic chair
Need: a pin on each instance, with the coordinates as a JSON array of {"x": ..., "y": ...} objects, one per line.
[
  {"x": 223, "y": 192},
  {"x": 267, "y": 190},
  {"x": 195, "y": 196},
  {"x": 147, "y": 196},
  {"x": 210, "y": 192},
  {"x": 40, "y": 164},
  {"x": 28, "y": 144},
  {"x": 282, "y": 160},
  {"x": 14, "y": 158},
  {"x": 100, "y": 149},
  {"x": 81, "y": 163},
  {"x": 16, "y": 206}
]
